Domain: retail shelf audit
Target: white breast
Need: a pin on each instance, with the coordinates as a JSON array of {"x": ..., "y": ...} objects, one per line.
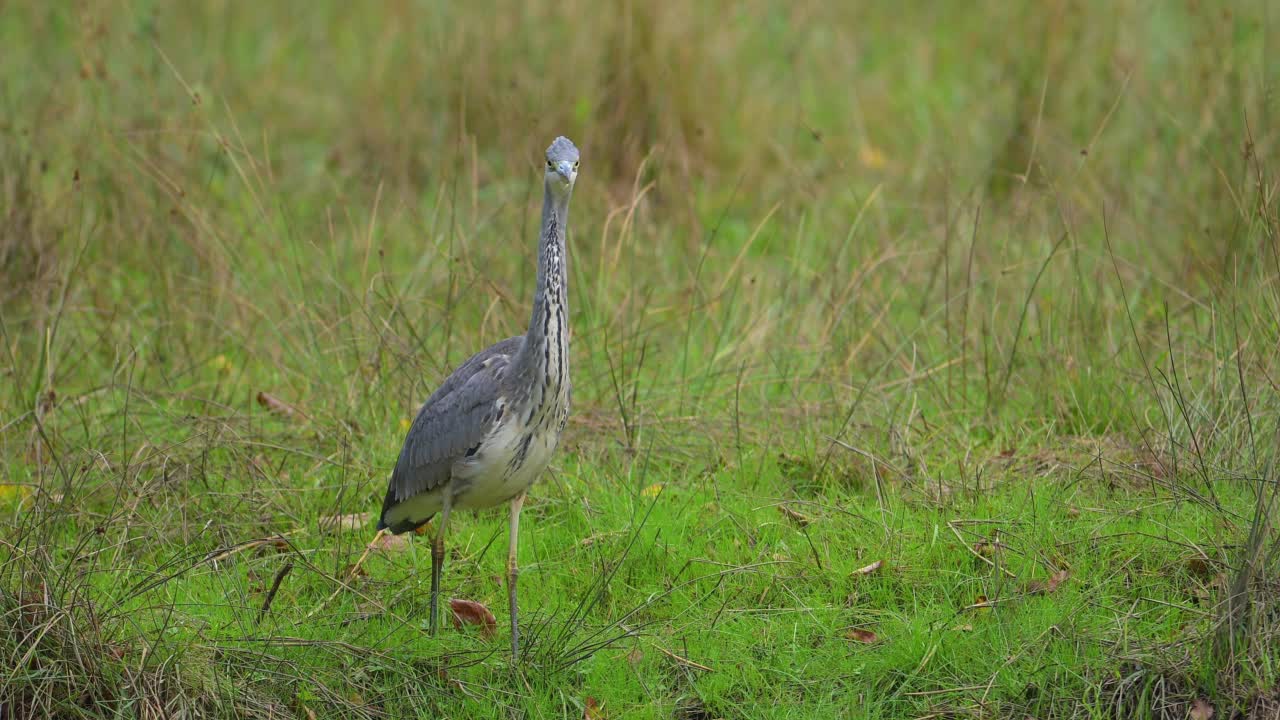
[{"x": 492, "y": 475}]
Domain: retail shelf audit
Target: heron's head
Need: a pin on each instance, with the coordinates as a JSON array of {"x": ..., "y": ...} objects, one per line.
[{"x": 562, "y": 165}]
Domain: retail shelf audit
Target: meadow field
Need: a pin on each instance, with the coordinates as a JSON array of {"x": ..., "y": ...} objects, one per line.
[{"x": 925, "y": 357}]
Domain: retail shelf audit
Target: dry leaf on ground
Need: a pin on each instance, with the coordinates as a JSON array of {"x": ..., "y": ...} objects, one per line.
[
  {"x": 268, "y": 546},
  {"x": 343, "y": 523},
  {"x": 988, "y": 548},
  {"x": 467, "y": 612},
  {"x": 868, "y": 569},
  {"x": 1044, "y": 587},
  {"x": 862, "y": 636},
  {"x": 278, "y": 406},
  {"x": 591, "y": 709},
  {"x": 387, "y": 541},
  {"x": 980, "y": 604},
  {"x": 1201, "y": 710}
]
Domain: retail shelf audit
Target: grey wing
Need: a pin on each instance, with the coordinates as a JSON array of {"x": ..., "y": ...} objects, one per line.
[
  {"x": 503, "y": 350},
  {"x": 454, "y": 419}
]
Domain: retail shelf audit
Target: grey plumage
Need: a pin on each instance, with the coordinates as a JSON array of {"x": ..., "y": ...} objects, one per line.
[
  {"x": 454, "y": 420},
  {"x": 487, "y": 433}
]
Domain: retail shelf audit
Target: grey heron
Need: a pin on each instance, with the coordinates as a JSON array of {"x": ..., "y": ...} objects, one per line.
[{"x": 487, "y": 433}]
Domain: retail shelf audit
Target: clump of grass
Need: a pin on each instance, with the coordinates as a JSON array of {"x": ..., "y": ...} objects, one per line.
[{"x": 65, "y": 657}]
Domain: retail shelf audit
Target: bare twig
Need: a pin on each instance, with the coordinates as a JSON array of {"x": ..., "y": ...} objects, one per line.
[{"x": 275, "y": 587}]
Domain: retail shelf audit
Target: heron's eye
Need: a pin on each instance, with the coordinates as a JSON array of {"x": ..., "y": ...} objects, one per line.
[
  {"x": 551, "y": 165},
  {"x": 575, "y": 166}
]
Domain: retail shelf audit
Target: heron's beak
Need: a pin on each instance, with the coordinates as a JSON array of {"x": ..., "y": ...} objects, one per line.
[{"x": 565, "y": 168}]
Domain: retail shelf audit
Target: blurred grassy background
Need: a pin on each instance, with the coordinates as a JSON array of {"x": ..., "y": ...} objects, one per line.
[{"x": 944, "y": 234}]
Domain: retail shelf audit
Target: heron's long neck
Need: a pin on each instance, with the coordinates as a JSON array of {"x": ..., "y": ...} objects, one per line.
[{"x": 547, "y": 342}]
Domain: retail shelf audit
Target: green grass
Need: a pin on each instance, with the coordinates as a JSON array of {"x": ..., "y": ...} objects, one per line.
[{"x": 984, "y": 294}]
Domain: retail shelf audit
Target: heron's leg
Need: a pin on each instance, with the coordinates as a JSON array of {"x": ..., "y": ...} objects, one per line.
[
  {"x": 437, "y": 558},
  {"x": 512, "y": 572}
]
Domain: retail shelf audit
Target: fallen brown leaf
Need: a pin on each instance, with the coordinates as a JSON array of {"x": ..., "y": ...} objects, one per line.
[
  {"x": 862, "y": 636},
  {"x": 1057, "y": 579},
  {"x": 591, "y": 710},
  {"x": 988, "y": 548},
  {"x": 272, "y": 546},
  {"x": 981, "y": 604},
  {"x": 278, "y": 406},
  {"x": 1044, "y": 587},
  {"x": 343, "y": 523},
  {"x": 868, "y": 569},
  {"x": 635, "y": 656},
  {"x": 387, "y": 541},
  {"x": 793, "y": 516},
  {"x": 467, "y": 612},
  {"x": 963, "y": 628},
  {"x": 1201, "y": 710}
]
